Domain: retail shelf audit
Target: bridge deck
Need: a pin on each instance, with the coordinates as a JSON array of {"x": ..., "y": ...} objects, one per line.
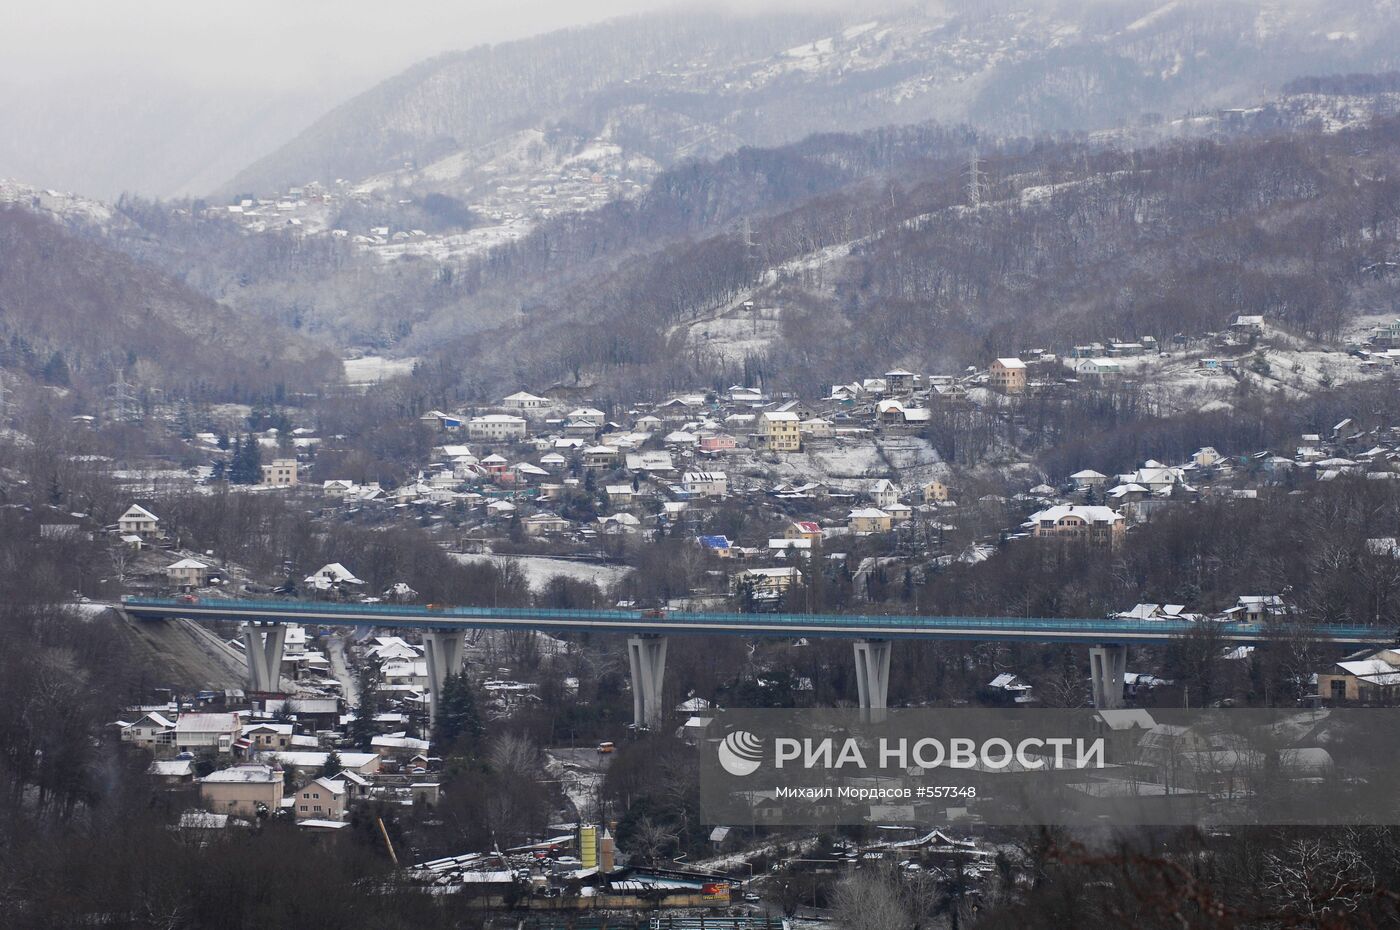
[{"x": 845, "y": 626}]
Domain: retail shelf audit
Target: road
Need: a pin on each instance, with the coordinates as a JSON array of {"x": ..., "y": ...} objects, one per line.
[{"x": 340, "y": 668}]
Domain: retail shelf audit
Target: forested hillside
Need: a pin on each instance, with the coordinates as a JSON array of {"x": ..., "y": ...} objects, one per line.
[
  {"x": 1067, "y": 243},
  {"x": 74, "y": 313},
  {"x": 684, "y": 84}
]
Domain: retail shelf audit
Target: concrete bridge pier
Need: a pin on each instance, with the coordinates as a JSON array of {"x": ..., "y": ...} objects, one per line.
[
  {"x": 873, "y": 676},
  {"x": 443, "y": 651},
  {"x": 262, "y": 645},
  {"x": 647, "y": 656},
  {"x": 1107, "y": 663}
]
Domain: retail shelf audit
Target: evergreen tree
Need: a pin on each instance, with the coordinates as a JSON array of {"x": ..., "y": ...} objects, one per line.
[
  {"x": 56, "y": 370},
  {"x": 458, "y": 728},
  {"x": 363, "y": 728},
  {"x": 332, "y": 766}
]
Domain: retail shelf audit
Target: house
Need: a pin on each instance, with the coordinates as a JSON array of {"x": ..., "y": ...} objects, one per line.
[
  {"x": 138, "y": 521},
  {"x": 497, "y": 427},
  {"x": 152, "y": 730},
  {"x": 267, "y": 737},
  {"x": 1007, "y": 375},
  {"x": 322, "y": 799},
  {"x": 1248, "y": 325},
  {"x": 1011, "y": 686},
  {"x": 899, "y": 381},
  {"x": 187, "y": 574},
  {"x": 705, "y": 483},
  {"x": 816, "y": 428},
  {"x": 590, "y": 415},
  {"x": 803, "y": 529},
  {"x": 1095, "y": 524},
  {"x": 1098, "y": 369},
  {"x": 599, "y": 457},
  {"x": 543, "y": 524},
  {"x": 250, "y": 790},
  {"x": 331, "y": 577},
  {"x": 781, "y": 546},
  {"x": 620, "y": 495},
  {"x": 198, "y": 733},
  {"x": 172, "y": 771},
  {"x": 524, "y": 400},
  {"x": 1256, "y": 608},
  {"x": 868, "y": 520},
  {"x": 780, "y": 432},
  {"x": 1205, "y": 457},
  {"x": 1371, "y": 675},
  {"x": 935, "y": 492},
  {"x": 766, "y": 584},
  {"x": 898, "y": 512},
  {"x": 719, "y": 545},
  {"x": 884, "y": 493},
  {"x": 1088, "y": 479},
  {"x": 718, "y": 442},
  {"x": 282, "y": 473}
]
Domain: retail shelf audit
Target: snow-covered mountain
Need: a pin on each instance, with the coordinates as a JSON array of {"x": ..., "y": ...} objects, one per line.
[{"x": 636, "y": 94}]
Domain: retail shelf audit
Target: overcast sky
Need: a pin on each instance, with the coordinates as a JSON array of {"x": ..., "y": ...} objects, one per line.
[{"x": 265, "y": 42}]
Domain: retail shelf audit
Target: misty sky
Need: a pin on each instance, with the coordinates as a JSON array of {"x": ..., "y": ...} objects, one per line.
[{"x": 165, "y": 97}]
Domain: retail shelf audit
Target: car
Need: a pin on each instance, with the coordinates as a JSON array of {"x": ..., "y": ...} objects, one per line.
[
  {"x": 187, "y": 599},
  {"x": 606, "y": 747},
  {"x": 752, "y": 898}
]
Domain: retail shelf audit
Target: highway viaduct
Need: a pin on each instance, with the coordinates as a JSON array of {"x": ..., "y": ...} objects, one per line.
[{"x": 445, "y": 628}]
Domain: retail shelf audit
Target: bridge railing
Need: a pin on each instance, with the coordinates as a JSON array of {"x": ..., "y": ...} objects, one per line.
[{"x": 640, "y": 620}]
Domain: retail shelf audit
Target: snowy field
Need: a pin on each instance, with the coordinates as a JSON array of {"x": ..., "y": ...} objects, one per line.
[
  {"x": 540, "y": 569},
  {"x": 373, "y": 369}
]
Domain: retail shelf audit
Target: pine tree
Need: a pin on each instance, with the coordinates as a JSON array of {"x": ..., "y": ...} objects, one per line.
[
  {"x": 457, "y": 728},
  {"x": 332, "y": 766}
]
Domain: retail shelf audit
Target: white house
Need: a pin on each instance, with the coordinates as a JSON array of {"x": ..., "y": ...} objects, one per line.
[
  {"x": 524, "y": 400},
  {"x": 706, "y": 483},
  {"x": 496, "y": 427},
  {"x": 138, "y": 521}
]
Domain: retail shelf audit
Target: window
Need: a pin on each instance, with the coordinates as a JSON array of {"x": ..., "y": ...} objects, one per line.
[
  {"x": 303, "y": 808},
  {"x": 1339, "y": 689}
]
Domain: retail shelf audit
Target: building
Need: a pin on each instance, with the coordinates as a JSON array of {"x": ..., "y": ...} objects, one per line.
[
  {"x": 766, "y": 584},
  {"x": 816, "y": 428},
  {"x": 322, "y": 799},
  {"x": 248, "y": 790},
  {"x": 899, "y": 381},
  {"x": 780, "y": 432},
  {"x": 705, "y": 483},
  {"x": 496, "y": 427},
  {"x": 1095, "y": 524},
  {"x": 884, "y": 493},
  {"x": 803, "y": 529},
  {"x": 524, "y": 400},
  {"x": 869, "y": 520},
  {"x": 1371, "y": 675},
  {"x": 187, "y": 574},
  {"x": 153, "y": 730},
  {"x": 198, "y": 733},
  {"x": 280, "y": 474},
  {"x": 935, "y": 492},
  {"x": 1008, "y": 375},
  {"x": 138, "y": 521}
]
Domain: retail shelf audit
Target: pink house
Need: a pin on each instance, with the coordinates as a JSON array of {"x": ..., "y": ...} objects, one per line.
[{"x": 717, "y": 442}]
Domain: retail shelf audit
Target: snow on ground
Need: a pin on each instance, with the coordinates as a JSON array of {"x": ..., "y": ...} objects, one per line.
[
  {"x": 540, "y": 569},
  {"x": 373, "y": 369},
  {"x": 852, "y": 464}
]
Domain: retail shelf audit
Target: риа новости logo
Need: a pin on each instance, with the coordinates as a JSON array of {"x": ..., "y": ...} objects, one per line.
[{"x": 741, "y": 753}]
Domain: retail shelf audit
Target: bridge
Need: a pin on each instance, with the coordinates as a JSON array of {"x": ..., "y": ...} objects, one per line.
[{"x": 444, "y": 630}]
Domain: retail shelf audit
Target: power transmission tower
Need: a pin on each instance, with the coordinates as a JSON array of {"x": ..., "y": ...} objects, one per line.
[
  {"x": 122, "y": 403},
  {"x": 974, "y": 182}
]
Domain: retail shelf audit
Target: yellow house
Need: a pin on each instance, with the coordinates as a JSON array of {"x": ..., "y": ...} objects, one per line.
[
  {"x": 244, "y": 790},
  {"x": 935, "y": 492},
  {"x": 780, "y": 432},
  {"x": 869, "y": 520},
  {"x": 803, "y": 529},
  {"x": 280, "y": 474},
  {"x": 322, "y": 799},
  {"x": 1008, "y": 375},
  {"x": 1371, "y": 675}
]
